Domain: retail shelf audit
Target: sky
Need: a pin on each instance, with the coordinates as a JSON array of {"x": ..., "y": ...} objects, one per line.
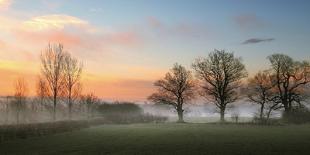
[{"x": 126, "y": 45}]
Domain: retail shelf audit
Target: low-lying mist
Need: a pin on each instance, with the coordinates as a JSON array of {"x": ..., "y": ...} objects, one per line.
[{"x": 34, "y": 111}]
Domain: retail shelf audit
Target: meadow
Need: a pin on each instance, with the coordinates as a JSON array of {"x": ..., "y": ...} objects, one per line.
[{"x": 169, "y": 138}]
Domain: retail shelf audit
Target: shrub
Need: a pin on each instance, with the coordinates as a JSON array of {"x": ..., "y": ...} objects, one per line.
[
  {"x": 125, "y": 112},
  {"x": 297, "y": 115},
  {"x": 8, "y": 132}
]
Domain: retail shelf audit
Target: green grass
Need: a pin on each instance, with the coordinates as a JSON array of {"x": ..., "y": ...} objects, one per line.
[{"x": 169, "y": 139}]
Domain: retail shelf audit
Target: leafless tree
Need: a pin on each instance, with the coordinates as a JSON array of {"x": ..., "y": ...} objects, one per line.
[
  {"x": 42, "y": 91},
  {"x": 52, "y": 59},
  {"x": 260, "y": 90},
  {"x": 90, "y": 100},
  {"x": 72, "y": 75},
  {"x": 176, "y": 89},
  {"x": 291, "y": 77},
  {"x": 220, "y": 75},
  {"x": 21, "y": 90}
]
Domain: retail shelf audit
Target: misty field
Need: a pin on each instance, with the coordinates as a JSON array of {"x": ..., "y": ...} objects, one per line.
[{"x": 169, "y": 138}]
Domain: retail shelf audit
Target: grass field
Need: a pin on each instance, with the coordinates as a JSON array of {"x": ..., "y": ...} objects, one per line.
[{"x": 169, "y": 139}]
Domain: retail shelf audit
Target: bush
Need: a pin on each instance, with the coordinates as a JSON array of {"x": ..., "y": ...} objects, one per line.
[
  {"x": 297, "y": 115},
  {"x": 125, "y": 112},
  {"x": 8, "y": 132},
  {"x": 120, "y": 108}
]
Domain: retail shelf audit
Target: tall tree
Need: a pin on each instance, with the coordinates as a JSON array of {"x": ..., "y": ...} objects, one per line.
[
  {"x": 72, "y": 75},
  {"x": 21, "y": 90},
  {"x": 220, "y": 75},
  {"x": 52, "y": 59},
  {"x": 176, "y": 89},
  {"x": 291, "y": 77}
]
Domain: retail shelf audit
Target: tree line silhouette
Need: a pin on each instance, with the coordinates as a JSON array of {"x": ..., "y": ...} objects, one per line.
[{"x": 220, "y": 78}]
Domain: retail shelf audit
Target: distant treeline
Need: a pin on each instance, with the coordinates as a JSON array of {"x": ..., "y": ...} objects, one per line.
[{"x": 220, "y": 78}]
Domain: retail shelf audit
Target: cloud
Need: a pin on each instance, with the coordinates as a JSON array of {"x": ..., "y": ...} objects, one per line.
[
  {"x": 23, "y": 38},
  {"x": 257, "y": 40},
  {"x": 154, "y": 22},
  {"x": 249, "y": 21},
  {"x": 53, "y": 22},
  {"x": 5, "y": 4},
  {"x": 8, "y": 24},
  {"x": 51, "y": 5},
  {"x": 184, "y": 29},
  {"x": 2, "y": 44},
  {"x": 75, "y": 33}
]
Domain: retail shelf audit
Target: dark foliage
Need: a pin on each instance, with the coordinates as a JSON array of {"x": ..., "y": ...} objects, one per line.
[
  {"x": 297, "y": 116},
  {"x": 126, "y": 112},
  {"x": 8, "y": 132}
]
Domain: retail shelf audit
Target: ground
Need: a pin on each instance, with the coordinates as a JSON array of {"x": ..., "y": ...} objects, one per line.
[{"x": 169, "y": 138}]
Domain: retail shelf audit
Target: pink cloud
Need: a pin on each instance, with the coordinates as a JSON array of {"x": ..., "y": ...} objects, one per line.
[
  {"x": 69, "y": 39},
  {"x": 5, "y": 4},
  {"x": 185, "y": 29},
  {"x": 249, "y": 21},
  {"x": 154, "y": 22},
  {"x": 2, "y": 44},
  {"x": 122, "y": 38}
]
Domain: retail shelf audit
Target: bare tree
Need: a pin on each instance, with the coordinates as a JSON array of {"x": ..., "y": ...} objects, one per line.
[
  {"x": 21, "y": 90},
  {"x": 72, "y": 75},
  {"x": 290, "y": 79},
  {"x": 90, "y": 100},
  {"x": 220, "y": 75},
  {"x": 176, "y": 89},
  {"x": 259, "y": 90},
  {"x": 52, "y": 59},
  {"x": 42, "y": 91}
]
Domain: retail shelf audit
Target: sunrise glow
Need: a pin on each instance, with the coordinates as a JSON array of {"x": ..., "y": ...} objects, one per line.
[{"x": 126, "y": 46}]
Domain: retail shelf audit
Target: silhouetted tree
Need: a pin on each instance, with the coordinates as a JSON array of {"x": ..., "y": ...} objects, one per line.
[
  {"x": 259, "y": 90},
  {"x": 42, "y": 91},
  {"x": 220, "y": 74},
  {"x": 290, "y": 79},
  {"x": 72, "y": 75},
  {"x": 90, "y": 100},
  {"x": 52, "y": 59},
  {"x": 21, "y": 90},
  {"x": 176, "y": 89}
]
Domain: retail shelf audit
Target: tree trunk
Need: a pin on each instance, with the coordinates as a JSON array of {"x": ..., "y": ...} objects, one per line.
[
  {"x": 7, "y": 110},
  {"x": 287, "y": 108},
  {"x": 222, "y": 114},
  {"x": 261, "y": 112},
  {"x": 70, "y": 106},
  {"x": 180, "y": 115},
  {"x": 54, "y": 108},
  {"x": 17, "y": 114},
  {"x": 268, "y": 114}
]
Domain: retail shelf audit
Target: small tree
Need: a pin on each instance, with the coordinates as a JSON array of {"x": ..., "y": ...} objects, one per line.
[
  {"x": 220, "y": 75},
  {"x": 176, "y": 89},
  {"x": 235, "y": 116},
  {"x": 72, "y": 75},
  {"x": 42, "y": 91},
  {"x": 259, "y": 90},
  {"x": 52, "y": 59},
  {"x": 21, "y": 90},
  {"x": 90, "y": 100}
]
